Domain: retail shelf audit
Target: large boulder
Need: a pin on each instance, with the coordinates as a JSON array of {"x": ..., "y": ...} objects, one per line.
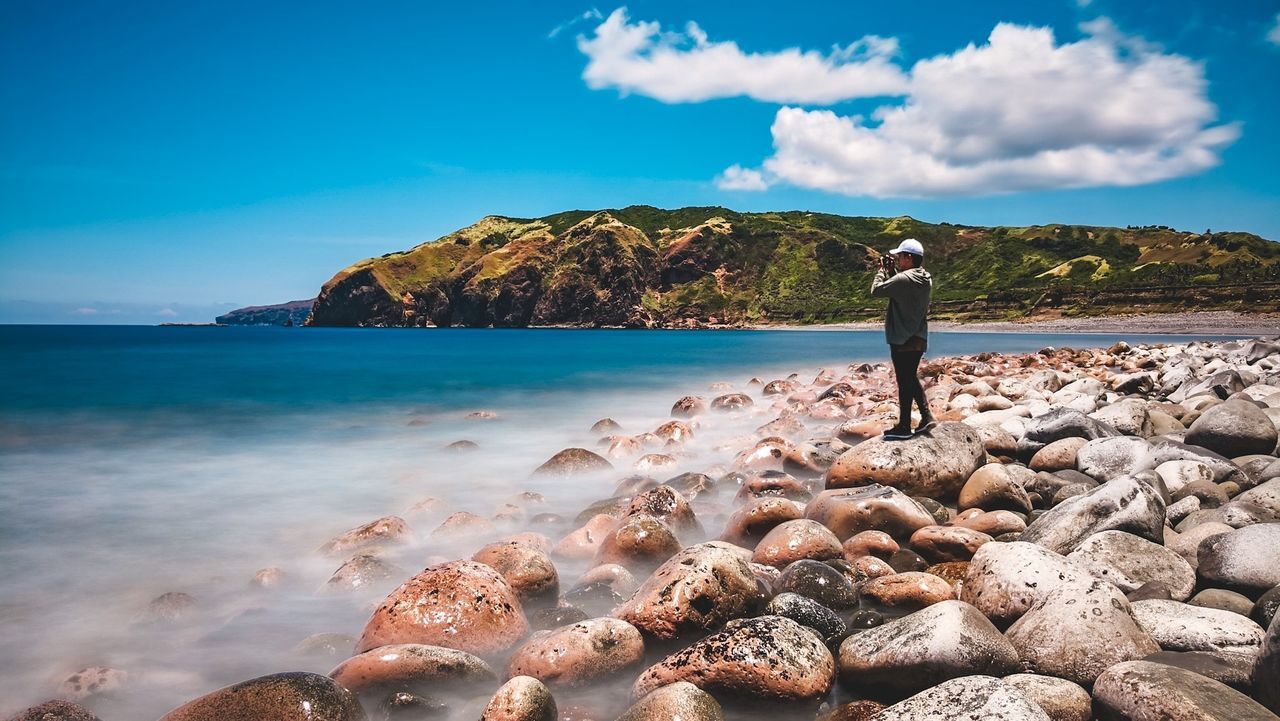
[
  {"x": 279, "y": 697},
  {"x": 768, "y": 658},
  {"x": 699, "y": 589},
  {"x": 996, "y": 486},
  {"x": 796, "y": 540},
  {"x": 944, "y": 641},
  {"x": 1234, "y": 428},
  {"x": 573, "y": 462},
  {"x": 1183, "y": 627},
  {"x": 970, "y": 697},
  {"x": 1127, "y": 562},
  {"x": 1247, "y": 558},
  {"x": 1124, "y": 504},
  {"x": 1105, "y": 459},
  {"x": 579, "y": 654},
  {"x": 526, "y": 568},
  {"x": 934, "y": 464},
  {"x": 411, "y": 667},
  {"x": 1142, "y": 691},
  {"x": 680, "y": 700},
  {"x": 1077, "y": 634},
  {"x": 1004, "y": 580},
  {"x": 849, "y": 511},
  {"x": 462, "y": 604}
]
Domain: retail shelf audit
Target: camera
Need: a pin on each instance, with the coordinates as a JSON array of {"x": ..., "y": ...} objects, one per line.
[{"x": 887, "y": 264}]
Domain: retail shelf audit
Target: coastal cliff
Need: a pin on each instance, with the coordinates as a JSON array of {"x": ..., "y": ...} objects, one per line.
[
  {"x": 644, "y": 267},
  {"x": 293, "y": 313}
]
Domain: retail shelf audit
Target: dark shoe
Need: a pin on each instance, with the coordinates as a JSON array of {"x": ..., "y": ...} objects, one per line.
[
  {"x": 898, "y": 433},
  {"x": 926, "y": 426}
]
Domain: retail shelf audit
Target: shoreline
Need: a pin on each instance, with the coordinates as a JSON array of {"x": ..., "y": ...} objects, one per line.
[{"x": 1216, "y": 322}]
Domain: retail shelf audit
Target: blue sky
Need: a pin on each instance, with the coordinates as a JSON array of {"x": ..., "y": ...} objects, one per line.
[{"x": 165, "y": 161}]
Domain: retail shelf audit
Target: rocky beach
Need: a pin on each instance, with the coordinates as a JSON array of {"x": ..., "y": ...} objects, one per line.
[{"x": 1085, "y": 534}]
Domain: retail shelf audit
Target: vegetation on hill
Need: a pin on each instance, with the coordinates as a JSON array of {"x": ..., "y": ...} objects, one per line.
[{"x": 642, "y": 266}]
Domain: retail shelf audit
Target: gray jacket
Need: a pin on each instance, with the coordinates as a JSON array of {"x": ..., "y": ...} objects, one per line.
[{"x": 908, "y": 292}]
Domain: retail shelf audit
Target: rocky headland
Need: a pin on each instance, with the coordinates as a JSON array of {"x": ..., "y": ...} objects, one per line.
[
  {"x": 1086, "y": 534},
  {"x": 292, "y": 313}
]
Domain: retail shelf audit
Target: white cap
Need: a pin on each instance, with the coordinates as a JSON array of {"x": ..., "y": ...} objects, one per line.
[{"x": 910, "y": 245}]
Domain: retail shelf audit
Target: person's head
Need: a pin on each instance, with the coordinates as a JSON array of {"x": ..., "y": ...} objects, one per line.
[{"x": 909, "y": 254}]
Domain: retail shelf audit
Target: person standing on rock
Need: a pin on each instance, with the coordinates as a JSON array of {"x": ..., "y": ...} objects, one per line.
[{"x": 904, "y": 281}]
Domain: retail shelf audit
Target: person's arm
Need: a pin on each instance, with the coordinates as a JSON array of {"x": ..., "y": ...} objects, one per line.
[{"x": 887, "y": 286}]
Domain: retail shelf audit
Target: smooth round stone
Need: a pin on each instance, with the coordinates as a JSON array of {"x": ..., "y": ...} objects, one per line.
[
  {"x": 817, "y": 580},
  {"x": 279, "y": 697},
  {"x": 616, "y": 577},
  {"x": 808, "y": 612},
  {"x": 870, "y": 543},
  {"x": 1143, "y": 690},
  {"x": 1057, "y": 424},
  {"x": 1058, "y": 455},
  {"x": 768, "y": 658},
  {"x": 269, "y": 577},
  {"x": 1061, "y": 699},
  {"x": 605, "y": 426},
  {"x": 935, "y": 464},
  {"x": 1223, "y": 601},
  {"x": 1209, "y": 493},
  {"x": 584, "y": 542},
  {"x": 170, "y": 607},
  {"x": 774, "y": 483},
  {"x": 1187, "y": 543},
  {"x": 1183, "y": 627},
  {"x": 748, "y": 525},
  {"x": 871, "y": 567},
  {"x": 1265, "y": 608},
  {"x": 573, "y": 462},
  {"x": 968, "y": 697},
  {"x": 462, "y": 526},
  {"x": 796, "y": 540},
  {"x": 411, "y": 667},
  {"x": 521, "y": 699},
  {"x": 953, "y": 572},
  {"x": 56, "y": 710},
  {"x": 944, "y": 641},
  {"x": 404, "y": 706},
  {"x": 852, "y": 711},
  {"x": 731, "y": 402},
  {"x": 389, "y": 530},
  {"x": 1127, "y": 561},
  {"x": 92, "y": 681},
  {"x": 1247, "y": 558},
  {"x": 1129, "y": 416},
  {"x": 667, "y": 505},
  {"x": 699, "y": 589},
  {"x": 580, "y": 654},
  {"x": 939, "y": 544},
  {"x": 1124, "y": 504},
  {"x": 526, "y": 568},
  {"x": 681, "y": 700},
  {"x": 1234, "y": 428},
  {"x": 907, "y": 560},
  {"x": 1265, "y": 495},
  {"x": 992, "y": 523},
  {"x": 688, "y": 407},
  {"x": 693, "y": 485},
  {"x": 1006, "y": 579},
  {"x": 1106, "y": 459},
  {"x": 1076, "y": 633},
  {"x": 462, "y": 604},
  {"x": 362, "y": 572},
  {"x": 678, "y": 431},
  {"x": 906, "y": 592},
  {"x": 1233, "y": 670},
  {"x": 641, "y": 543},
  {"x": 849, "y": 511},
  {"x": 1179, "y": 473},
  {"x": 996, "y": 486}
]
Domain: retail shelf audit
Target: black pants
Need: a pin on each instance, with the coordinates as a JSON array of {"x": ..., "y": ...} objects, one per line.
[{"x": 905, "y": 363}]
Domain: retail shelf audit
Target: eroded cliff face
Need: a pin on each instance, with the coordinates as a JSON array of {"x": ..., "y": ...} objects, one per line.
[{"x": 645, "y": 267}]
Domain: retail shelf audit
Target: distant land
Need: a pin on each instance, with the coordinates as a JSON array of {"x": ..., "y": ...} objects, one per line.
[
  {"x": 293, "y": 313},
  {"x": 644, "y": 267}
]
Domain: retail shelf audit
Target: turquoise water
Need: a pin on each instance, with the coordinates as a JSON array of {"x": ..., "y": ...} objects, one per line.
[{"x": 137, "y": 461}]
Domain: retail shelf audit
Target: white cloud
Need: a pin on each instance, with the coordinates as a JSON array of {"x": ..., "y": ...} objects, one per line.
[
  {"x": 1019, "y": 113},
  {"x": 736, "y": 177},
  {"x": 592, "y": 14},
  {"x": 687, "y": 67},
  {"x": 167, "y": 313},
  {"x": 1273, "y": 36},
  {"x": 85, "y": 311}
]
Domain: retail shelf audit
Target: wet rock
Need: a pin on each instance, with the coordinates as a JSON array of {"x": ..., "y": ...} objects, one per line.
[
  {"x": 768, "y": 658},
  {"x": 870, "y": 543},
  {"x": 1266, "y": 669},
  {"x": 751, "y": 523},
  {"x": 852, "y": 711},
  {"x": 1183, "y": 627},
  {"x": 521, "y": 699},
  {"x": 953, "y": 572},
  {"x": 1234, "y": 428},
  {"x": 934, "y": 464},
  {"x": 944, "y": 641},
  {"x": 1077, "y": 633},
  {"x": 462, "y": 604},
  {"x": 681, "y": 700},
  {"x": 641, "y": 542},
  {"x": 605, "y": 426},
  {"x": 667, "y": 505},
  {"x": 169, "y": 607},
  {"x": 996, "y": 486},
  {"x": 818, "y": 581},
  {"x": 1007, "y": 579},
  {"x": 969, "y": 697},
  {"x": 1223, "y": 601},
  {"x": 1106, "y": 459},
  {"x": 731, "y": 402},
  {"x": 688, "y": 407},
  {"x": 808, "y": 612},
  {"x": 796, "y": 540},
  {"x": 905, "y": 560},
  {"x": 692, "y": 485},
  {"x": 1124, "y": 504},
  {"x": 412, "y": 667},
  {"x": 462, "y": 526},
  {"x": 699, "y": 589},
  {"x": 678, "y": 431},
  {"x": 411, "y": 707},
  {"x": 551, "y": 618},
  {"x": 992, "y": 523},
  {"x": 1127, "y": 561},
  {"x": 386, "y": 531},
  {"x": 362, "y": 572},
  {"x": 1247, "y": 558},
  {"x": 1144, "y": 690},
  {"x": 269, "y": 577},
  {"x": 1233, "y": 670},
  {"x": 1057, "y": 697},
  {"x": 848, "y": 511},
  {"x": 906, "y": 592},
  {"x": 92, "y": 681},
  {"x": 585, "y": 541},
  {"x": 279, "y": 697},
  {"x": 615, "y": 576},
  {"x": 574, "y": 461},
  {"x": 938, "y": 544},
  {"x": 580, "y": 654},
  {"x": 56, "y": 710},
  {"x": 774, "y": 483},
  {"x": 526, "y": 568}
]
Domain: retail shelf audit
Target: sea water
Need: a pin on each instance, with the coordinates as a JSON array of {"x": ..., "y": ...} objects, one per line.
[{"x": 137, "y": 461}]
